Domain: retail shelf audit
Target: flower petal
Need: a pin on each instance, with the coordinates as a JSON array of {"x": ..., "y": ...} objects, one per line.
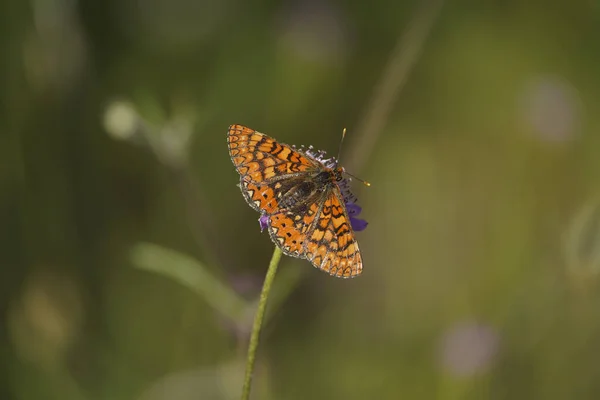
[
  {"x": 263, "y": 221},
  {"x": 353, "y": 209},
  {"x": 358, "y": 224}
]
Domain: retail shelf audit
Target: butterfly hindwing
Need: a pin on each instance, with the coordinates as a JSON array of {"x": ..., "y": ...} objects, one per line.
[
  {"x": 331, "y": 245},
  {"x": 288, "y": 229}
]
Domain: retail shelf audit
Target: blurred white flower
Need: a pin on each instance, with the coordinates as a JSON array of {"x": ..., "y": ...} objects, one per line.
[
  {"x": 169, "y": 141},
  {"x": 121, "y": 120},
  {"x": 468, "y": 348}
]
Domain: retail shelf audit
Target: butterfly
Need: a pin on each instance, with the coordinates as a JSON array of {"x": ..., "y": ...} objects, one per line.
[{"x": 304, "y": 200}]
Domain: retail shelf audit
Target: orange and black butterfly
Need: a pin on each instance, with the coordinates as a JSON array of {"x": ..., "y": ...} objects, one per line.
[{"x": 304, "y": 200}]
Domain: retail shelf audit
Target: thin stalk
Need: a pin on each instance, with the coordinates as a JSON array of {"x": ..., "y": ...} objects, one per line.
[{"x": 258, "y": 321}]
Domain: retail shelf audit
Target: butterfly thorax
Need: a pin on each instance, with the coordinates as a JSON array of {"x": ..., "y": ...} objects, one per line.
[{"x": 296, "y": 193}]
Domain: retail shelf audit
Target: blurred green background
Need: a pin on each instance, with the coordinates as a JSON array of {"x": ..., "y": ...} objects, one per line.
[{"x": 130, "y": 263}]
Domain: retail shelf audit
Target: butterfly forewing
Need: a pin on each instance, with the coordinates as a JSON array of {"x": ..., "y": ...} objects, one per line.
[{"x": 259, "y": 158}]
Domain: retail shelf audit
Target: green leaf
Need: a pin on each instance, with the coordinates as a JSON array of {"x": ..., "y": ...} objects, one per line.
[{"x": 190, "y": 273}]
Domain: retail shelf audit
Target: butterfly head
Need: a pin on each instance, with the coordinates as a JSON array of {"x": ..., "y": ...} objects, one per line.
[{"x": 338, "y": 174}]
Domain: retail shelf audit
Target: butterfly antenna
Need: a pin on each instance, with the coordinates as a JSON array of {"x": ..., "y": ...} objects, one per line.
[
  {"x": 337, "y": 161},
  {"x": 357, "y": 178}
]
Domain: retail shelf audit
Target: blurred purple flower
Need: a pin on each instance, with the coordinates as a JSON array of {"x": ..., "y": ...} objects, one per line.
[
  {"x": 552, "y": 107},
  {"x": 468, "y": 348},
  {"x": 315, "y": 30},
  {"x": 248, "y": 287}
]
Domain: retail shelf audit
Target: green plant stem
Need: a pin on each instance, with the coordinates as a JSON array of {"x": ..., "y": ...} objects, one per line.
[
  {"x": 258, "y": 320},
  {"x": 405, "y": 55}
]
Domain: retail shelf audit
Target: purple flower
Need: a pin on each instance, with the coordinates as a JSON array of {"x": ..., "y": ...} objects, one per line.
[
  {"x": 263, "y": 221},
  {"x": 351, "y": 206},
  {"x": 356, "y": 223}
]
